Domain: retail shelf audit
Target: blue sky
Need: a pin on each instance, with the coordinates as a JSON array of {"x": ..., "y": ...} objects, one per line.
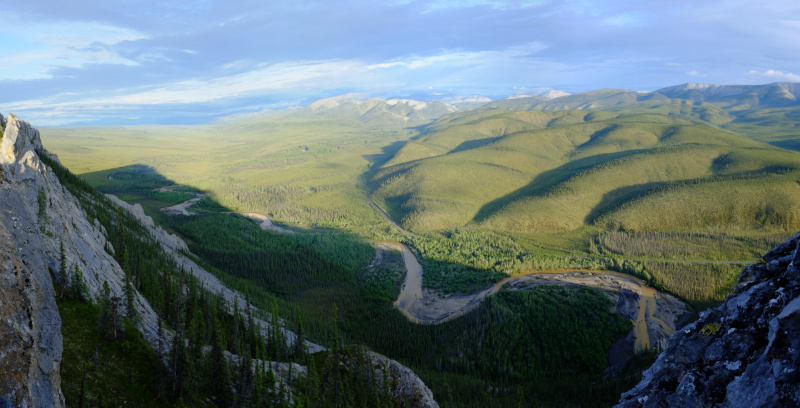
[{"x": 192, "y": 61}]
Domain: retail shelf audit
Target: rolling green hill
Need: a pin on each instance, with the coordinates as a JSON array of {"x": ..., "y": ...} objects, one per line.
[
  {"x": 551, "y": 183},
  {"x": 534, "y": 171}
]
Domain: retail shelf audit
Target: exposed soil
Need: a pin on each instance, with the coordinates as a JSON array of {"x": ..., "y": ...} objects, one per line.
[
  {"x": 265, "y": 222},
  {"x": 655, "y": 315},
  {"x": 182, "y": 208}
]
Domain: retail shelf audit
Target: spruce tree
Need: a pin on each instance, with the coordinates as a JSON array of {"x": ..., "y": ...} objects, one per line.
[
  {"x": 299, "y": 352},
  {"x": 219, "y": 384},
  {"x": 77, "y": 286},
  {"x": 120, "y": 249},
  {"x": 160, "y": 351},
  {"x": 41, "y": 198},
  {"x": 179, "y": 364},
  {"x": 61, "y": 277},
  {"x": 130, "y": 297},
  {"x": 245, "y": 377},
  {"x": 107, "y": 324}
]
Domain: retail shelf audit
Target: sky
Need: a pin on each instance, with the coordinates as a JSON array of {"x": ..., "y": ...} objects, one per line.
[{"x": 101, "y": 62}]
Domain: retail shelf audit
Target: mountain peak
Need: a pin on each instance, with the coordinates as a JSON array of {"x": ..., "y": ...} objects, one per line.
[
  {"x": 466, "y": 99},
  {"x": 549, "y": 94},
  {"x": 19, "y": 141},
  {"x": 336, "y": 101},
  {"x": 375, "y": 111},
  {"x": 708, "y": 90}
]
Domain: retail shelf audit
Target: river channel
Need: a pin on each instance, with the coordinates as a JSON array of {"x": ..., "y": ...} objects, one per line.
[{"x": 654, "y": 314}]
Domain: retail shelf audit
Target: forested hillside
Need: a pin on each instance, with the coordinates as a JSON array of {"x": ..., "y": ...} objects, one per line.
[
  {"x": 550, "y": 172},
  {"x": 218, "y": 355},
  {"x": 680, "y": 193}
]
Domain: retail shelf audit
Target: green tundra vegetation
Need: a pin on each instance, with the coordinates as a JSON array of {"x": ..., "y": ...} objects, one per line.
[
  {"x": 107, "y": 362},
  {"x": 676, "y": 192},
  {"x": 493, "y": 375}
]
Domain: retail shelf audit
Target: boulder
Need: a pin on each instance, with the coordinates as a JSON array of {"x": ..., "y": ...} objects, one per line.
[{"x": 744, "y": 353}]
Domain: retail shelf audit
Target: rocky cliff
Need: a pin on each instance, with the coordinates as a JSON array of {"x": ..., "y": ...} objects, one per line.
[
  {"x": 745, "y": 353},
  {"x": 37, "y": 215},
  {"x": 30, "y": 336}
]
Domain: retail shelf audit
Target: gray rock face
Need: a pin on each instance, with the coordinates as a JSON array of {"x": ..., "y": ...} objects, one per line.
[
  {"x": 177, "y": 248},
  {"x": 30, "y": 326},
  {"x": 30, "y": 239},
  {"x": 168, "y": 240},
  {"x": 745, "y": 353},
  {"x": 37, "y": 214},
  {"x": 405, "y": 385}
]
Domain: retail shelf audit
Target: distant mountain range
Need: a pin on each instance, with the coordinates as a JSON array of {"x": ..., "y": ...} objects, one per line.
[
  {"x": 775, "y": 95},
  {"x": 766, "y": 113},
  {"x": 376, "y": 112},
  {"x": 729, "y": 97},
  {"x": 551, "y": 94}
]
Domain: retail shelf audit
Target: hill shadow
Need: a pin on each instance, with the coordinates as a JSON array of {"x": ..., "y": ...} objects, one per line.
[
  {"x": 787, "y": 144},
  {"x": 132, "y": 178},
  {"x": 378, "y": 160},
  {"x": 549, "y": 179},
  {"x": 472, "y": 144},
  {"x": 619, "y": 196},
  {"x": 144, "y": 185}
]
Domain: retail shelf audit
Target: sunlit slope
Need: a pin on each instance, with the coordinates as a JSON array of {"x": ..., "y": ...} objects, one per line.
[
  {"x": 765, "y": 202},
  {"x": 778, "y": 127},
  {"x": 605, "y": 168},
  {"x": 467, "y": 130},
  {"x": 303, "y": 172},
  {"x": 455, "y": 133}
]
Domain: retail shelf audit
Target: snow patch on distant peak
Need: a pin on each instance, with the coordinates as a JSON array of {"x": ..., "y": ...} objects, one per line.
[
  {"x": 333, "y": 102},
  {"x": 712, "y": 90},
  {"x": 465, "y": 99},
  {"x": 551, "y": 94},
  {"x": 420, "y": 105},
  {"x": 416, "y": 105}
]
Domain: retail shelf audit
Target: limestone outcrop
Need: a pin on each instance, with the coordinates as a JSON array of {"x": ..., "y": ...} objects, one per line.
[
  {"x": 744, "y": 353},
  {"x": 36, "y": 216},
  {"x": 405, "y": 384},
  {"x": 30, "y": 326}
]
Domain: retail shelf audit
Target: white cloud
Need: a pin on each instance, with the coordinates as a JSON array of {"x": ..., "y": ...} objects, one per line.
[
  {"x": 65, "y": 44},
  {"x": 243, "y": 79},
  {"x": 495, "y": 4},
  {"x": 777, "y": 75},
  {"x": 324, "y": 74},
  {"x": 459, "y": 58},
  {"x": 695, "y": 72}
]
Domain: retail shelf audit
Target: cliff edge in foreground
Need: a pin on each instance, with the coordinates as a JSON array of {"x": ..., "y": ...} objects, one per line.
[
  {"x": 745, "y": 353},
  {"x": 41, "y": 221}
]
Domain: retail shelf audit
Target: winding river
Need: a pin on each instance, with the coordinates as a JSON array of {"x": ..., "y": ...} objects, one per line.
[{"x": 654, "y": 314}]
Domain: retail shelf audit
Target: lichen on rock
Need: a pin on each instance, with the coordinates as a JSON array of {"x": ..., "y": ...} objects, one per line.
[{"x": 744, "y": 353}]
